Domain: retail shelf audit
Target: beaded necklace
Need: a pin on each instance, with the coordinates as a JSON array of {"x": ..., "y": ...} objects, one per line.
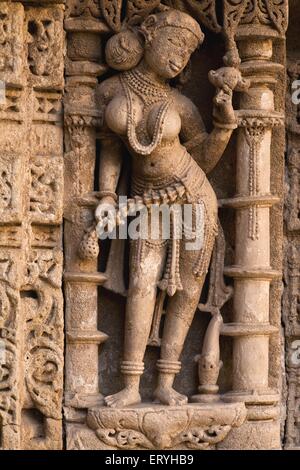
[{"x": 150, "y": 93}]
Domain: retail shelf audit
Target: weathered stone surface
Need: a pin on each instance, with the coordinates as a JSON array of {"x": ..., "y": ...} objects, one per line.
[
  {"x": 250, "y": 372},
  {"x": 155, "y": 427},
  {"x": 290, "y": 304},
  {"x": 153, "y": 320},
  {"x": 31, "y": 175}
]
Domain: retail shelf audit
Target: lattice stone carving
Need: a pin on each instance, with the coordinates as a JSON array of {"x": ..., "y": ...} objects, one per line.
[
  {"x": 264, "y": 12},
  {"x": 11, "y": 42},
  {"x": 46, "y": 186},
  {"x": 44, "y": 39}
]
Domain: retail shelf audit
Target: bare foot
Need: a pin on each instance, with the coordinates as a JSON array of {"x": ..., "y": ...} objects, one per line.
[
  {"x": 169, "y": 396},
  {"x": 127, "y": 396}
]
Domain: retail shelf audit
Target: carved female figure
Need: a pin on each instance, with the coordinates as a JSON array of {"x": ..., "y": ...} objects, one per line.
[{"x": 171, "y": 152}]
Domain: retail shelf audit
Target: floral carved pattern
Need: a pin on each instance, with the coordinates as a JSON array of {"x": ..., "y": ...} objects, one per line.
[
  {"x": 40, "y": 48},
  {"x": 83, "y": 8},
  {"x": 272, "y": 13},
  {"x": 9, "y": 343},
  {"x": 43, "y": 358},
  {"x": 164, "y": 428}
]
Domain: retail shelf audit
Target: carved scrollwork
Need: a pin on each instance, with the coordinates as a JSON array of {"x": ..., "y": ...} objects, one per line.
[
  {"x": 111, "y": 11},
  {"x": 136, "y": 10},
  {"x": 45, "y": 186},
  {"x": 204, "y": 11},
  {"x": 6, "y": 59},
  {"x": 9, "y": 345},
  {"x": 202, "y": 438},
  {"x": 293, "y": 195},
  {"x": 40, "y": 47},
  {"x": 84, "y": 8},
  {"x": 291, "y": 300},
  {"x": 271, "y": 13},
  {"x": 124, "y": 439},
  {"x": 8, "y": 376},
  {"x": 198, "y": 438},
  {"x": 160, "y": 428},
  {"x": 44, "y": 371},
  {"x": 44, "y": 40},
  {"x": 278, "y": 13},
  {"x": 44, "y": 352}
]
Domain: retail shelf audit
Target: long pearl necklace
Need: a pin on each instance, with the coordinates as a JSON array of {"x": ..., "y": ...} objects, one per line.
[{"x": 149, "y": 93}]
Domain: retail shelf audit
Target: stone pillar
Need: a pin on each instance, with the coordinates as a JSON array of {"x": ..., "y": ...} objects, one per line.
[
  {"x": 252, "y": 271},
  {"x": 84, "y": 29}
]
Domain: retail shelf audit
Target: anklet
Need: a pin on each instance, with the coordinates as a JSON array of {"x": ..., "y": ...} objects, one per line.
[{"x": 168, "y": 367}]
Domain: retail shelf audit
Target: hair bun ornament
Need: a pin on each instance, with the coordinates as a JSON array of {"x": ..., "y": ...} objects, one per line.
[{"x": 124, "y": 50}]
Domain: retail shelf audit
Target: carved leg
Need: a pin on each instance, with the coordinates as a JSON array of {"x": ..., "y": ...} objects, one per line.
[
  {"x": 145, "y": 272},
  {"x": 179, "y": 315}
]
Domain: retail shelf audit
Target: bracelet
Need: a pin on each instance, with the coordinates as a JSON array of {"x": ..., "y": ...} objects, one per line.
[
  {"x": 228, "y": 126},
  {"x": 111, "y": 194}
]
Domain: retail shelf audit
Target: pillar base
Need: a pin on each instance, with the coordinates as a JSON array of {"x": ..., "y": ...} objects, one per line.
[
  {"x": 205, "y": 398},
  {"x": 268, "y": 397},
  {"x": 83, "y": 400},
  {"x": 153, "y": 426}
]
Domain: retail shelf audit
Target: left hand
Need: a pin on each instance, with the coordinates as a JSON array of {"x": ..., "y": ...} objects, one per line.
[{"x": 223, "y": 111}]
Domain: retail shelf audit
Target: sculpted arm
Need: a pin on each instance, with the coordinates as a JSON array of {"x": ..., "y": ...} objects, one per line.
[
  {"x": 111, "y": 150},
  {"x": 206, "y": 149},
  {"x": 110, "y": 163}
]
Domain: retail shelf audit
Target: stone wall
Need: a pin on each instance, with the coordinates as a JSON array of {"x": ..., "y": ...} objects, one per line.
[
  {"x": 31, "y": 319},
  {"x": 290, "y": 304}
]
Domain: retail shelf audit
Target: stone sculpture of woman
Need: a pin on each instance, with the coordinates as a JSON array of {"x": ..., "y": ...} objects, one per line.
[{"x": 171, "y": 152}]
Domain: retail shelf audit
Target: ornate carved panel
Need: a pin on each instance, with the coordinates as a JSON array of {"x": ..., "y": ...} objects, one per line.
[
  {"x": 44, "y": 38},
  {"x": 31, "y": 319},
  {"x": 101, "y": 99},
  {"x": 291, "y": 296}
]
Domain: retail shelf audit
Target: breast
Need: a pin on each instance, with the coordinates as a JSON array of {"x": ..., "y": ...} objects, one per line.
[
  {"x": 116, "y": 114},
  {"x": 171, "y": 125}
]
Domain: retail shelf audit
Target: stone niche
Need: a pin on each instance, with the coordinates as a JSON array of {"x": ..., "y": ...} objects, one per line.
[
  {"x": 237, "y": 321},
  {"x": 72, "y": 70}
]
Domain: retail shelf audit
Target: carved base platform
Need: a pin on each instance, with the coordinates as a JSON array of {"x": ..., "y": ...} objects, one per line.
[{"x": 151, "y": 426}]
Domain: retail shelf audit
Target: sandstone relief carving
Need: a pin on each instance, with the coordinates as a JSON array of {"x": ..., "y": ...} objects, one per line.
[
  {"x": 142, "y": 116},
  {"x": 172, "y": 333},
  {"x": 168, "y": 143},
  {"x": 44, "y": 36},
  {"x": 31, "y": 319},
  {"x": 180, "y": 426},
  {"x": 11, "y": 37},
  {"x": 290, "y": 303}
]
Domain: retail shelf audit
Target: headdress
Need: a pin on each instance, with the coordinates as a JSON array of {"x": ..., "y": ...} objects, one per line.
[
  {"x": 173, "y": 18},
  {"x": 124, "y": 50}
]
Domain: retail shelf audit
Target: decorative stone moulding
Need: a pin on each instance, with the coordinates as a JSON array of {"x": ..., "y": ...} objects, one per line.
[
  {"x": 99, "y": 102},
  {"x": 195, "y": 427}
]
